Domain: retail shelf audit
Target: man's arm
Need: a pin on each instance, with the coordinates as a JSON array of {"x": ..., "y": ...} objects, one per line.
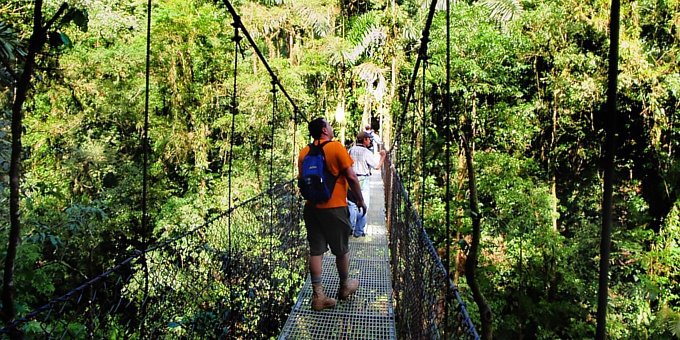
[
  {"x": 382, "y": 159},
  {"x": 354, "y": 184},
  {"x": 373, "y": 161}
]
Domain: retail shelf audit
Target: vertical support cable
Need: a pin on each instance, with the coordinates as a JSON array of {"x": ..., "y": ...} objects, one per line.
[
  {"x": 271, "y": 183},
  {"x": 145, "y": 133},
  {"x": 396, "y": 150},
  {"x": 145, "y": 167},
  {"x": 447, "y": 155},
  {"x": 409, "y": 174},
  {"x": 271, "y": 161},
  {"x": 423, "y": 149},
  {"x": 294, "y": 151},
  {"x": 294, "y": 206},
  {"x": 611, "y": 119},
  {"x": 234, "y": 112}
]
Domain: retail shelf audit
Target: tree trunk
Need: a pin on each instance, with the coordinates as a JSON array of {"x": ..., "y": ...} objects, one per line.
[
  {"x": 460, "y": 183},
  {"x": 386, "y": 132},
  {"x": 35, "y": 42},
  {"x": 551, "y": 168},
  {"x": 291, "y": 51},
  {"x": 611, "y": 117},
  {"x": 366, "y": 116},
  {"x": 472, "y": 258}
]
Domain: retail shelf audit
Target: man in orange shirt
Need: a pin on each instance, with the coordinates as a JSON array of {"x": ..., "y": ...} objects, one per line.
[{"x": 327, "y": 222}]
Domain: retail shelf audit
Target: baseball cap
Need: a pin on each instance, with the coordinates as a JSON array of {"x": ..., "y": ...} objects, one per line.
[{"x": 361, "y": 135}]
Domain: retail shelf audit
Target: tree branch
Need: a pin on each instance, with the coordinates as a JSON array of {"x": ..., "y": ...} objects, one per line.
[{"x": 56, "y": 16}]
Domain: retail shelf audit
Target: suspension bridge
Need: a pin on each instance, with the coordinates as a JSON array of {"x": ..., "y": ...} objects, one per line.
[
  {"x": 194, "y": 285},
  {"x": 241, "y": 272},
  {"x": 404, "y": 293}
]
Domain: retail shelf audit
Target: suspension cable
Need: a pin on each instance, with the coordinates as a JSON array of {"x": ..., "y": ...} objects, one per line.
[
  {"x": 275, "y": 79},
  {"x": 423, "y": 148},
  {"x": 409, "y": 181},
  {"x": 447, "y": 155},
  {"x": 271, "y": 172},
  {"x": 270, "y": 291},
  {"x": 234, "y": 112},
  {"x": 294, "y": 201},
  {"x": 294, "y": 148},
  {"x": 145, "y": 165},
  {"x": 422, "y": 51},
  {"x": 145, "y": 132}
]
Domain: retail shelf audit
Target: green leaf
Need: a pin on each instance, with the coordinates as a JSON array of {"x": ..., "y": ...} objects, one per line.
[
  {"x": 78, "y": 16},
  {"x": 81, "y": 19},
  {"x": 65, "y": 40}
]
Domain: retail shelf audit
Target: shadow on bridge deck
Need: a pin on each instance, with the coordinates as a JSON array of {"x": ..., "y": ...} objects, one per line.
[{"x": 369, "y": 313}]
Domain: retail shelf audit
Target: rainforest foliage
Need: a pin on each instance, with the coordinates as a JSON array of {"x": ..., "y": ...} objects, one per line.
[{"x": 527, "y": 77}]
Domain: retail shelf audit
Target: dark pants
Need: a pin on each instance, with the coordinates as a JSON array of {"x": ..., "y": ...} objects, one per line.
[{"x": 327, "y": 228}]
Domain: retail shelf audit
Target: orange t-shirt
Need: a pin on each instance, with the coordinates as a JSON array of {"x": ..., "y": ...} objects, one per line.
[{"x": 337, "y": 160}]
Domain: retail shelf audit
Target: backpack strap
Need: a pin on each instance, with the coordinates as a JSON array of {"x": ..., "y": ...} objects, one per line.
[
  {"x": 319, "y": 148},
  {"x": 315, "y": 149}
]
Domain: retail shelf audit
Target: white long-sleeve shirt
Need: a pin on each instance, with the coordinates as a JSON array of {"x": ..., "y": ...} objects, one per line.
[{"x": 364, "y": 160}]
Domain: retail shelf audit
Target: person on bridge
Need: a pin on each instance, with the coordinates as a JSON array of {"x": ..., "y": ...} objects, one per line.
[
  {"x": 364, "y": 161},
  {"x": 327, "y": 223},
  {"x": 376, "y": 141}
]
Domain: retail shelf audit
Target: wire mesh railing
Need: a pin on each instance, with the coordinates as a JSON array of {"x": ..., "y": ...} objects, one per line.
[
  {"x": 193, "y": 285},
  {"x": 423, "y": 291}
]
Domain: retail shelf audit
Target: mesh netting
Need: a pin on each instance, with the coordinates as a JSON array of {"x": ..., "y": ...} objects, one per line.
[
  {"x": 197, "y": 286},
  {"x": 423, "y": 292},
  {"x": 194, "y": 285}
]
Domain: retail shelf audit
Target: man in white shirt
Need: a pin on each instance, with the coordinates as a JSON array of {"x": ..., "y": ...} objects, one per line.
[{"x": 364, "y": 161}]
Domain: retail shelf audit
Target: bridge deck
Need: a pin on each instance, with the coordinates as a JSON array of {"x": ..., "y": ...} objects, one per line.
[{"x": 369, "y": 313}]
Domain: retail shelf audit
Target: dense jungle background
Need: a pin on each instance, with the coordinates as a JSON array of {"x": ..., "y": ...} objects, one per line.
[{"x": 528, "y": 78}]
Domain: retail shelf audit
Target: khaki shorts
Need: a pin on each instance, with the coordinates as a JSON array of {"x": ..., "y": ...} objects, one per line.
[{"x": 327, "y": 228}]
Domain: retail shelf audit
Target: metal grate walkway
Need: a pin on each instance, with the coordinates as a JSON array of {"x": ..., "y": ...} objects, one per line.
[{"x": 368, "y": 314}]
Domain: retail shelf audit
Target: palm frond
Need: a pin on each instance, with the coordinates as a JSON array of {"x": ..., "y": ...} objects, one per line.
[
  {"x": 503, "y": 11},
  {"x": 373, "y": 38},
  {"x": 10, "y": 50},
  {"x": 373, "y": 77},
  {"x": 335, "y": 48},
  {"x": 9, "y": 44},
  {"x": 320, "y": 18}
]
